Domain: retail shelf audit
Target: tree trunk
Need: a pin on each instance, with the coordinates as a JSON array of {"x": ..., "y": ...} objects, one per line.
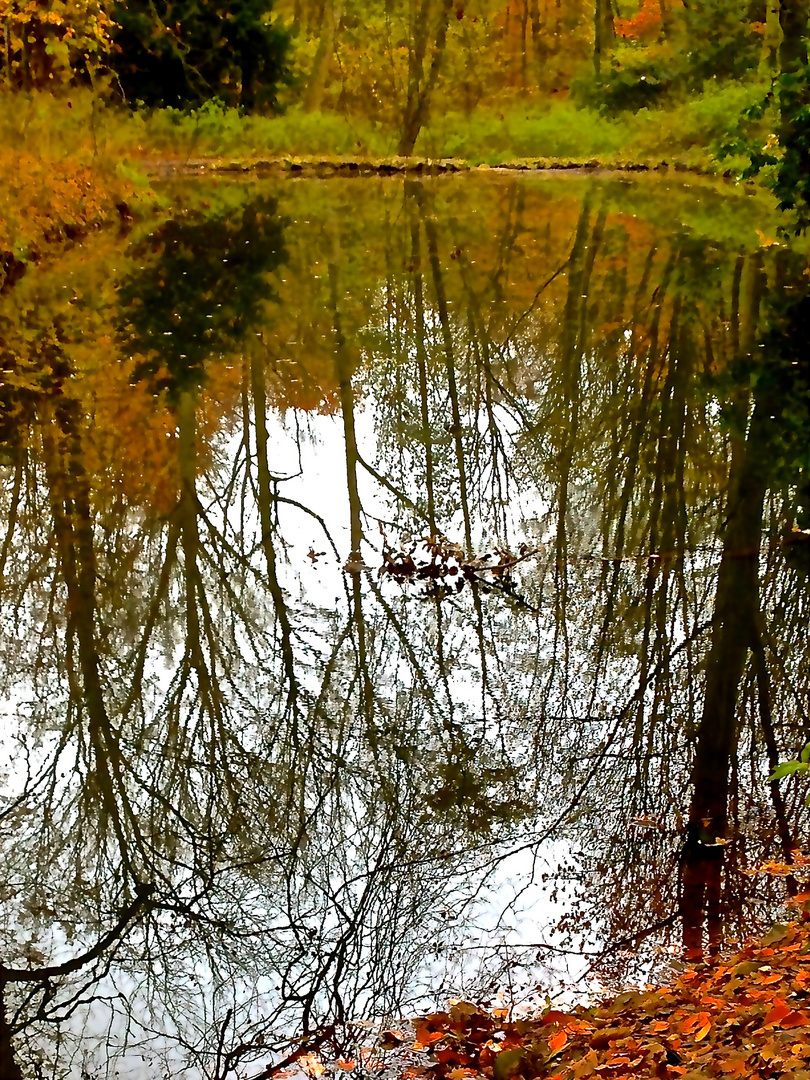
[
  {"x": 771, "y": 39},
  {"x": 603, "y": 33},
  {"x": 421, "y": 84},
  {"x": 316, "y": 85},
  {"x": 793, "y": 24}
]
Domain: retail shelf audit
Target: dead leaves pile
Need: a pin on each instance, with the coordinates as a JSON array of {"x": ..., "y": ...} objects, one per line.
[
  {"x": 435, "y": 559},
  {"x": 743, "y": 1016}
]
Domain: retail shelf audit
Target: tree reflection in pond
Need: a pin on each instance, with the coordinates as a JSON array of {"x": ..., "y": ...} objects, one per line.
[{"x": 252, "y": 793}]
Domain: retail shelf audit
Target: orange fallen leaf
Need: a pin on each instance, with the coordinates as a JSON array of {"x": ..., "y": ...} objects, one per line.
[
  {"x": 699, "y": 1020},
  {"x": 777, "y": 1013},
  {"x": 558, "y": 1041},
  {"x": 795, "y": 1019}
]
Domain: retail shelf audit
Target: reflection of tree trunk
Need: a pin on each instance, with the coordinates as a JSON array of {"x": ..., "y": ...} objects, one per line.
[
  {"x": 421, "y": 364},
  {"x": 199, "y": 624},
  {"x": 735, "y": 618},
  {"x": 735, "y": 610},
  {"x": 265, "y": 501},
  {"x": 638, "y": 426},
  {"x": 414, "y": 190},
  {"x": 151, "y": 620},
  {"x": 187, "y": 513},
  {"x": 13, "y": 512},
  {"x": 9, "y": 1067},
  {"x": 456, "y": 429},
  {"x": 69, "y": 490},
  {"x": 344, "y": 378},
  {"x": 570, "y": 357},
  {"x": 766, "y": 722}
]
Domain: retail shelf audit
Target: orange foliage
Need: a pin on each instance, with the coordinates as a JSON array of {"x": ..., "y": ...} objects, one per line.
[
  {"x": 746, "y": 1015},
  {"x": 43, "y": 200},
  {"x": 645, "y": 26}
]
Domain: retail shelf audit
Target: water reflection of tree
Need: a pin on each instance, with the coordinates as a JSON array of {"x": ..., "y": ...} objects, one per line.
[
  {"x": 220, "y": 810},
  {"x": 252, "y": 756},
  {"x": 626, "y": 422}
]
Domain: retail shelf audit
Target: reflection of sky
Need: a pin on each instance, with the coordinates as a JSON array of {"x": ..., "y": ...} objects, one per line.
[
  {"x": 496, "y": 909},
  {"x": 465, "y": 942}
]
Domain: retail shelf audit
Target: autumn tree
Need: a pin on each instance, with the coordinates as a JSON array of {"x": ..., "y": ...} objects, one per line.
[{"x": 44, "y": 45}]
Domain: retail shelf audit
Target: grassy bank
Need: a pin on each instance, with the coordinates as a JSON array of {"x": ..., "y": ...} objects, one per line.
[
  {"x": 70, "y": 162},
  {"x": 693, "y": 131}
]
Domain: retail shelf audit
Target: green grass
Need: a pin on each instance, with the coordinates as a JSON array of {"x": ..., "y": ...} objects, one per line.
[
  {"x": 213, "y": 130},
  {"x": 691, "y": 132},
  {"x": 555, "y": 131}
]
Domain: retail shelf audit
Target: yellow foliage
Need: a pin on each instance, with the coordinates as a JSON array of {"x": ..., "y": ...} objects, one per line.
[
  {"x": 42, "y": 42},
  {"x": 44, "y": 200}
]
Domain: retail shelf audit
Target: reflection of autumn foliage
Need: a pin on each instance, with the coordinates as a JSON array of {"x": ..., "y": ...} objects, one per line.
[
  {"x": 285, "y": 314},
  {"x": 60, "y": 341},
  {"x": 49, "y": 201}
]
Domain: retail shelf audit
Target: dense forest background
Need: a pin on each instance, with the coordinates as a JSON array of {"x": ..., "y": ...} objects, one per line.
[{"x": 441, "y": 77}]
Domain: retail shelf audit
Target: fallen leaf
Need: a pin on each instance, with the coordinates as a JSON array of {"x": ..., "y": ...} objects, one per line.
[{"x": 557, "y": 1041}]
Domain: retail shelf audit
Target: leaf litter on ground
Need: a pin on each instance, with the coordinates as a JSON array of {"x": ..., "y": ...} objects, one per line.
[{"x": 743, "y": 1015}]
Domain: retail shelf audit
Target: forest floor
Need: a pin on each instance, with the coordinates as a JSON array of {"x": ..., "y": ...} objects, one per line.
[{"x": 743, "y": 1015}]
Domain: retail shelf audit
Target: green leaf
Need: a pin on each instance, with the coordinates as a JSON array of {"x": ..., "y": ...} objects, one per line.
[
  {"x": 507, "y": 1063},
  {"x": 785, "y": 768},
  {"x": 804, "y": 756}
]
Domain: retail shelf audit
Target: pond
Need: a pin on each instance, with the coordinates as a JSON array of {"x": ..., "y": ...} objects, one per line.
[{"x": 404, "y": 594}]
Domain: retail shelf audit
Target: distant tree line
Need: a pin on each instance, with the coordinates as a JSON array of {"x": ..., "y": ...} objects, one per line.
[
  {"x": 177, "y": 53},
  {"x": 392, "y": 62}
]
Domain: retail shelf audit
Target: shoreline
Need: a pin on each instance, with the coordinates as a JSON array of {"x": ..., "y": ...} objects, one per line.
[{"x": 324, "y": 167}]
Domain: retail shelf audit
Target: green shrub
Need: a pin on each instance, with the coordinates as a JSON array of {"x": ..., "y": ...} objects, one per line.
[
  {"x": 635, "y": 78},
  {"x": 559, "y": 131},
  {"x": 185, "y": 52},
  {"x": 711, "y": 123}
]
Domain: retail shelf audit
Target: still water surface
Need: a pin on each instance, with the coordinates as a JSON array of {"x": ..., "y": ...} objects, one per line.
[{"x": 404, "y": 593}]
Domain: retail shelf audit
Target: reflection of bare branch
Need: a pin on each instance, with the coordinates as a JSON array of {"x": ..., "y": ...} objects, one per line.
[{"x": 56, "y": 971}]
